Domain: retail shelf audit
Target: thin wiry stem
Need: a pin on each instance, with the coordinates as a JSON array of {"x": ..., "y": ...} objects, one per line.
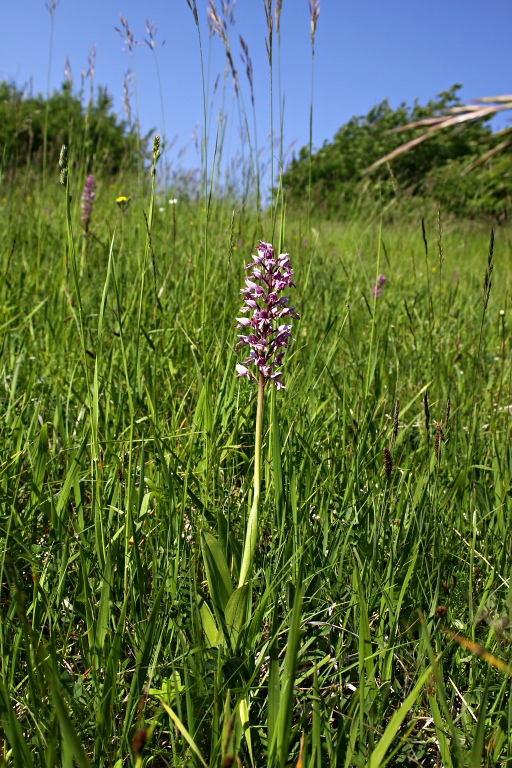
[
  {"x": 314, "y": 10},
  {"x": 193, "y": 7},
  {"x": 267, "y": 4}
]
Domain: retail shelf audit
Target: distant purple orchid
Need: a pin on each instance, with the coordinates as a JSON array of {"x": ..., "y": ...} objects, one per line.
[
  {"x": 377, "y": 288},
  {"x": 267, "y": 338},
  {"x": 88, "y": 195}
]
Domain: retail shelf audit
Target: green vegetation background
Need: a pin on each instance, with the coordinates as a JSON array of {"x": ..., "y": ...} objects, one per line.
[{"x": 125, "y": 464}]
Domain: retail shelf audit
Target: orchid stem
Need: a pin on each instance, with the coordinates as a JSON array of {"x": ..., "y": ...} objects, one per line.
[{"x": 251, "y": 536}]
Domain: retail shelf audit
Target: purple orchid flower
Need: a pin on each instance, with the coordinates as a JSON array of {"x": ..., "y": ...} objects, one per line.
[
  {"x": 377, "y": 288},
  {"x": 88, "y": 196},
  {"x": 266, "y": 335}
]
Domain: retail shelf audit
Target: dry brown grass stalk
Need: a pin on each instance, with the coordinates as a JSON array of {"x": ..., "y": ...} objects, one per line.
[
  {"x": 483, "y": 108},
  {"x": 388, "y": 463}
]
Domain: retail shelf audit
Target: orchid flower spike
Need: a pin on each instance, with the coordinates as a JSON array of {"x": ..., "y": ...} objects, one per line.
[{"x": 267, "y": 332}]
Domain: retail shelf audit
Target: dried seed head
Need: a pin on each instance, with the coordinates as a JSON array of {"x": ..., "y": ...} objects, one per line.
[
  {"x": 68, "y": 75},
  {"x": 139, "y": 742},
  {"x": 436, "y": 445},
  {"x": 51, "y": 6},
  {"x": 193, "y": 7},
  {"x": 246, "y": 59},
  {"x": 127, "y": 34},
  {"x": 279, "y": 6},
  {"x": 439, "y": 438},
  {"x": 440, "y": 238},
  {"x": 486, "y": 288},
  {"x": 314, "y": 11},
  {"x": 215, "y": 26},
  {"x": 126, "y": 97},
  {"x": 427, "y": 413},
  {"x": 156, "y": 153},
  {"x": 449, "y": 588},
  {"x": 218, "y": 26},
  {"x": 431, "y": 688},
  {"x": 395, "y": 419},
  {"x": 151, "y": 35},
  {"x": 267, "y": 6},
  {"x": 424, "y": 235},
  {"x": 388, "y": 463}
]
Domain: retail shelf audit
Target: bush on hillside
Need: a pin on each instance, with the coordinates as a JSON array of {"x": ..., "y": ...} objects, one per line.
[
  {"x": 95, "y": 135},
  {"x": 432, "y": 169}
]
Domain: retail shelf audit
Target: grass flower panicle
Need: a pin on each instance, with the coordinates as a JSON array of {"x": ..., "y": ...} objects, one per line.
[
  {"x": 88, "y": 195},
  {"x": 268, "y": 337}
]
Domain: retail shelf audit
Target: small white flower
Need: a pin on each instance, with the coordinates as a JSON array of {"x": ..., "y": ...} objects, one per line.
[{"x": 173, "y": 201}]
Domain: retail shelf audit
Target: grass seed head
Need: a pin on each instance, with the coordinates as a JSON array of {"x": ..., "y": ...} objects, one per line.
[
  {"x": 447, "y": 414},
  {"x": 436, "y": 445},
  {"x": 395, "y": 420},
  {"x": 139, "y": 742},
  {"x": 487, "y": 285},
  {"x": 427, "y": 413},
  {"x": 63, "y": 165},
  {"x": 388, "y": 463},
  {"x": 314, "y": 11}
]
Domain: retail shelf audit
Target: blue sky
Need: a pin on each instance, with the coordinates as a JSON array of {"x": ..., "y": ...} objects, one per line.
[{"x": 365, "y": 52}]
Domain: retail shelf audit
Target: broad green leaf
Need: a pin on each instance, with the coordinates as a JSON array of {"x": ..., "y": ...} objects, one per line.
[
  {"x": 209, "y": 626},
  {"x": 217, "y": 574},
  {"x": 102, "y": 622},
  {"x": 70, "y": 478},
  {"x": 235, "y": 615}
]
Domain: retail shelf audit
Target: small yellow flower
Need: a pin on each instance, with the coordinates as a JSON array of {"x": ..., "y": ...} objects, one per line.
[
  {"x": 28, "y": 198},
  {"x": 123, "y": 202},
  {"x": 434, "y": 269},
  {"x": 191, "y": 223}
]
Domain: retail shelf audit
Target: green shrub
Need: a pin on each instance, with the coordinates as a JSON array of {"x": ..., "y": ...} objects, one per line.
[
  {"x": 432, "y": 169},
  {"x": 98, "y": 137}
]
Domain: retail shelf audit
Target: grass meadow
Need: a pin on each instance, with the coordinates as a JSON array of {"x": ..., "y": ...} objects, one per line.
[{"x": 375, "y": 628}]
